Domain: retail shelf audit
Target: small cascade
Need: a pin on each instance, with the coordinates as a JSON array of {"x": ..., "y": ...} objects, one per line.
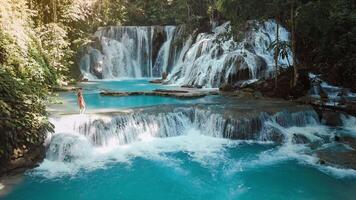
[
  {"x": 333, "y": 93},
  {"x": 92, "y": 141},
  {"x": 124, "y": 129},
  {"x": 162, "y": 60}
]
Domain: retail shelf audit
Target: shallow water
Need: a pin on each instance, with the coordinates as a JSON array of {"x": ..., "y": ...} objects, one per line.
[
  {"x": 192, "y": 165},
  {"x": 95, "y": 101}
]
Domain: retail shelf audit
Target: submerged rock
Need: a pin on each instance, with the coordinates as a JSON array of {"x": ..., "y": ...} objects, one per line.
[{"x": 188, "y": 94}]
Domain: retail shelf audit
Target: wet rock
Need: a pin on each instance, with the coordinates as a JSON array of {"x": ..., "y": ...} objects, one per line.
[
  {"x": 244, "y": 74},
  {"x": 158, "y": 39},
  {"x": 192, "y": 86},
  {"x": 164, "y": 75},
  {"x": 247, "y": 128},
  {"x": 171, "y": 91},
  {"x": 322, "y": 162},
  {"x": 283, "y": 88},
  {"x": 218, "y": 52},
  {"x": 351, "y": 141},
  {"x": 188, "y": 94},
  {"x": 261, "y": 66},
  {"x": 22, "y": 160},
  {"x": 156, "y": 81},
  {"x": 300, "y": 139},
  {"x": 226, "y": 87},
  {"x": 276, "y": 137},
  {"x": 338, "y": 159},
  {"x": 323, "y": 94},
  {"x": 331, "y": 118},
  {"x": 249, "y": 47}
]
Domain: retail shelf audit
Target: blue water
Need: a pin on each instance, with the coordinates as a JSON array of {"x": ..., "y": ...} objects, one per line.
[
  {"x": 93, "y": 99},
  {"x": 123, "y": 85},
  {"x": 181, "y": 176},
  {"x": 186, "y": 167}
]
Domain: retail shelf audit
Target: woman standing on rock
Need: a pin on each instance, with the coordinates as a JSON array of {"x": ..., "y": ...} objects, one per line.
[{"x": 81, "y": 102}]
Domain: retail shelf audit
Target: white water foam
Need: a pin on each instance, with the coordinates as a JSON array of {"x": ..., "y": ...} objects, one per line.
[
  {"x": 71, "y": 151},
  {"x": 205, "y": 61},
  {"x": 300, "y": 152},
  {"x": 80, "y": 154},
  {"x": 210, "y": 63},
  {"x": 349, "y": 124}
]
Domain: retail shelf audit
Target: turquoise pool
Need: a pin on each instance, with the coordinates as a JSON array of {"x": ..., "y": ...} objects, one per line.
[
  {"x": 95, "y": 101},
  {"x": 189, "y": 166},
  {"x": 229, "y": 171}
]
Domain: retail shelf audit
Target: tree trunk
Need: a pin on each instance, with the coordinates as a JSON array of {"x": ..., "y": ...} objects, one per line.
[
  {"x": 54, "y": 7},
  {"x": 276, "y": 55},
  {"x": 294, "y": 54}
]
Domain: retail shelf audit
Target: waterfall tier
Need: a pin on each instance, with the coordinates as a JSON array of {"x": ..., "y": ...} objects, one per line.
[
  {"x": 128, "y": 52},
  {"x": 121, "y": 129},
  {"x": 206, "y": 59}
]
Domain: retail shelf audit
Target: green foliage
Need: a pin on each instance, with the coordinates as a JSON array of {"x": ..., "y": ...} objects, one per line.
[
  {"x": 39, "y": 40},
  {"x": 325, "y": 31},
  {"x": 56, "y": 46},
  {"x": 25, "y": 76},
  {"x": 327, "y": 39},
  {"x": 282, "y": 48},
  {"x": 23, "y": 121}
]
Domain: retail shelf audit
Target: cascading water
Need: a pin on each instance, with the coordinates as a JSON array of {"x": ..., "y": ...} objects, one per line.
[
  {"x": 161, "y": 64},
  {"x": 112, "y": 131},
  {"x": 195, "y": 147},
  {"x": 120, "y": 52},
  {"x": 209, "y": 60},
  {"x": 212, "y": 61}
]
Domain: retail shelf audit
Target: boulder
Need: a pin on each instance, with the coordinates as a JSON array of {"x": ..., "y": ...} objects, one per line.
[
  {"x": 300, "y": 139},
  {"x": 226, "y": 87},
  {"x": 331, "y": 118},
  {"x": 156, "y": 81},
  {"x": 338, "y": 159},
  {"x": 351, "y": 141},
  {"x": 23, "y": 159}
]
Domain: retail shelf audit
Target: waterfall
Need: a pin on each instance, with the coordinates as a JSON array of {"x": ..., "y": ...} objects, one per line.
[
  {"x": 120, "y": 129},
  {"x": 215, "y": 58},
  {"x": 206, "y": 59},
  {"x": 119, "y": 52},
  {"x": 161, "y": 64},
  {"x": 91, "y": 141}
]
